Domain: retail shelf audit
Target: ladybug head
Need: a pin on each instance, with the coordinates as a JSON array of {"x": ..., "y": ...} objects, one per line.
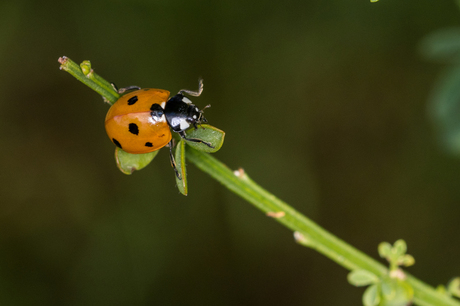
[
  {"x": 181, "y": 113},
  {"x": 197, "y": 116}
]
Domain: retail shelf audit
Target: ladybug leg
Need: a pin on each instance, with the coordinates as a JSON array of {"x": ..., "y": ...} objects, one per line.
[
  {"x": 125, "y": 89},
  {"x": 192, "y": 92},
  {"x": 114, "y": 86},
  {"x": 195, "y": 125},
  {"x": 202, "y": 118},
  {"x": 173, "y": 161},
  {"x": 182, "y": 134}
]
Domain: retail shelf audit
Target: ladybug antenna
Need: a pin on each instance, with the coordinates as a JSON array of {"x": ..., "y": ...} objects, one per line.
[
  {"x": 124, "y": 89},
  {"x": 191, "y": 92},
  {"x": 202, "y": 119}
]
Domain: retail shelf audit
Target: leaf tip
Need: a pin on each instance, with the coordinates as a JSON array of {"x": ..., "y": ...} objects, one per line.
[{"x": 63, "y": 61}]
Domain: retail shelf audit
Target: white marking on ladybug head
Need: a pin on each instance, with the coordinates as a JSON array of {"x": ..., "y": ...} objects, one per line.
[
  {"x": 163, "y": 104},
  {"x": 194, "y": 117},
  {"x": 186, "y": 100},
  {"x": 196, "y": 108}
]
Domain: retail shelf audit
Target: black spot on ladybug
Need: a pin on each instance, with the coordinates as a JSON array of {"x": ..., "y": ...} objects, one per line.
[
  {"x": 116, "y": 143},
  {"x": 148, "y": 144},
  {"x": 133, "y": 129},
  {"x": 132, "y": 100}
]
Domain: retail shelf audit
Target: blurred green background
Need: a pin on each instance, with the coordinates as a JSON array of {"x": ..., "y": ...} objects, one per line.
[{"x": 324, "y": 103}]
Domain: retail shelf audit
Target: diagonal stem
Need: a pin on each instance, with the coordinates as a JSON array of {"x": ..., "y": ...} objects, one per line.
[{"x": 307, "y": 232}]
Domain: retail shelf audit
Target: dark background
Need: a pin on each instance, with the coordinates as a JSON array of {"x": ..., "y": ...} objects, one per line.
[{"x": 323, "y": 102}]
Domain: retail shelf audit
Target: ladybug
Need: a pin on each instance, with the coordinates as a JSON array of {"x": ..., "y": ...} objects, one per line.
[{"x": 142, "y": 119}]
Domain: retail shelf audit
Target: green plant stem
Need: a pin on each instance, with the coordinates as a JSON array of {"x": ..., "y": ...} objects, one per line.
[{"x": 306, "y": 232}]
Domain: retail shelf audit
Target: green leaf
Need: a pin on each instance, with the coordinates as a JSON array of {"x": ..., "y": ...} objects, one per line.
[
  {"x": 85, "y": 67},
  {"x": 454, "y": 287},
  {"x": 206, "y": 133},
  {"x": 408, "y": 260},
  {"x": 384, "y": 249},
  {"x": 371, "y": 296},
  {"x": 128, "y": 163},
  {"x": 180, "y": 165},
  {"x": 402, "y": 297},
  {"x": 399, "y": 248},
  {"x": 442, "y": 45},
  {"x": 360, "y": 278},
  {"x": 388, "y": 288}
]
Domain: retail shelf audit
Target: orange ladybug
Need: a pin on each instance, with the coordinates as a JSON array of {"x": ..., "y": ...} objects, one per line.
[{"x": 140, "y": 121}]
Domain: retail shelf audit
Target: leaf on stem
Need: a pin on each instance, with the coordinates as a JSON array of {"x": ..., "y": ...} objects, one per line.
[
  {"x": 209, "y": 134},
  {"x": 384, "y": 249},
  {"x": 388, "y": 288},
  {"x": 454, "y": 287},
  {"x": 397, "y": 292},
  {"x": 180, "y": 166},
  {"x": 128, "y": 163},
  {"x": 407, "y": 260},
  {"x": 85, "y": 67},
  {"x": 399, "y": 248},
  {"x": 361, "y": 278},
  {"x": 371, "y": 296}
]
